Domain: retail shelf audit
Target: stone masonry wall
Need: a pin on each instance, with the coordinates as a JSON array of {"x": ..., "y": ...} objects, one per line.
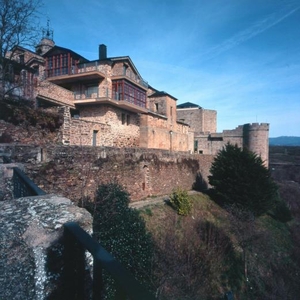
[
  {"x": 156, "y": 132},
  {"x": 254, "y": 136},
  {"x": 56, "y": 93},
  {"x": 209, "y": 120},
  {"x": 31, "y": 245},
  {"x": 201, "y": 120},
  {"x": 75, "y": 172},
  {"x": 122, "y": 126}
]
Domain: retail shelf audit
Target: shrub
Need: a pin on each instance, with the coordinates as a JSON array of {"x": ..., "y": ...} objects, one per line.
[
  {"x": 5, "y": 138},
  {"x": 121, "y": 231},
  {"x": 239, "y": 177},
  {"x": 281, "y": 212},
  {"x": 181, "y": 202}
]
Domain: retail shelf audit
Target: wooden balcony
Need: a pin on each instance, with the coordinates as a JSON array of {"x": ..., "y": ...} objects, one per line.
[{"x": 123, "y": 104}]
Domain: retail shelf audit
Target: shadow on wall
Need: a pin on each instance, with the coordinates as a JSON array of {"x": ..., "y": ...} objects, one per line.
[{"x": 200, "y": 184}]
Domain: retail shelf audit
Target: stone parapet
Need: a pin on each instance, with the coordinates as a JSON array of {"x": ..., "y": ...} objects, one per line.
[
  {"x": 31, "y": 244},
  {"x": 76, "y": 171}
]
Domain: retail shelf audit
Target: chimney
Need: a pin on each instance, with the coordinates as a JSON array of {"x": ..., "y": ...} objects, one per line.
[{"x": 102, "y": 52}]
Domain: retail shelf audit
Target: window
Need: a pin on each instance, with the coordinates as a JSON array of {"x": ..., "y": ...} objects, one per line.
[
  {"x": 21, "y": 58},
  {"x": 95, "y": 133},
  {"x": 91, "y": 91},
  {"x": 58, "y": 64},
  {"x": 36, "y": 70},
  {"x": 124, "y": 90},
  {"x": 156, "y": 107},
  {"x": 75, "y": 113},
  {"x": 125, "y": 119},
  {"x": 196, "y": 146}
]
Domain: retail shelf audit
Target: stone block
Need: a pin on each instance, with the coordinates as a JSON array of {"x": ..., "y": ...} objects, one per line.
[{"x": 31, "y": 245}]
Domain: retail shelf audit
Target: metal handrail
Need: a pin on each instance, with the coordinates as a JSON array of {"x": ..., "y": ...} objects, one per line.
[
  {"x": 23, "y": 186},
  {"x": 6, "y": 159},
  {"x": 127, "y": 285}
]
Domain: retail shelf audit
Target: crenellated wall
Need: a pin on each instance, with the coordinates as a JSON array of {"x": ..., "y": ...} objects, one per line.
[
  {"x": 256, "y": 139},
  {"x": 254, "y": 136}
]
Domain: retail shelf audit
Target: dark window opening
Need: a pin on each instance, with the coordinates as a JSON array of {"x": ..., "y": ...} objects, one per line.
[
  {"x": 215, "y": 138},
  {"x": 91, "y": 91},
  {"x": 75, "y": 113},
  {"x": 95, "y": 132},
  {"x": 195, "y": 146},
  {"x": 36, "y": 70},
  {"x": 21, "y": 57},
  {"x": 125, "y": 119}
]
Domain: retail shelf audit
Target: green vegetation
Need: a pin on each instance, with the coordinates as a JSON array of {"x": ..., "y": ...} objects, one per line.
[
  {"x": 181, "y": 202},
  {"x": 21, "y": 114},
  {"x": 213, "y": 251},
  {"x": 239, "y": 178},
  {"x": 281, "y": 211},
  {"x": 122, "y": 232},
  {"x": 210, "y": 251}
]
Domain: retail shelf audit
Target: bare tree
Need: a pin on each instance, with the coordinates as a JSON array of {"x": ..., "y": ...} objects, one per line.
[{"x": 18, "y": 27}]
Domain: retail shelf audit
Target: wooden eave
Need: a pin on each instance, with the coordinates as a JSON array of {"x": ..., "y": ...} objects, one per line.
[
  {"x": 119, "y": 77},
  {"x": 86, "y": 76}
]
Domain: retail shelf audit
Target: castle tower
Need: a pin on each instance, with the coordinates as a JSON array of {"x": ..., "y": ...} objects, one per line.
[
  {"x": 46, "y": 42},
  {"x": 256, "y": 139}
]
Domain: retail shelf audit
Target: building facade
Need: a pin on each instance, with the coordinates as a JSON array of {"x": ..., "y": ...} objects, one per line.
[
  {"x": 106, "y": 102},
  {"x": 207, "y": 140}
]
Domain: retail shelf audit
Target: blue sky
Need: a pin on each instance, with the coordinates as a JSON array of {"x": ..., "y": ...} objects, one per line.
[{"x": 239, "y": 57}]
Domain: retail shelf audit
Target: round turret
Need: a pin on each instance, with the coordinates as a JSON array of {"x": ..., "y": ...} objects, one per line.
[{"x": 256, "y": 139}]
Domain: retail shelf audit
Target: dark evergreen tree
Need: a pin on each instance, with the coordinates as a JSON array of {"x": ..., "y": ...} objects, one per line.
[
  {"x": 122, "y": 231},
  {"x": 239, "y": 177}
]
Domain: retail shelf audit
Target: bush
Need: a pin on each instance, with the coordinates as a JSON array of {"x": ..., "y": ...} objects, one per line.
[
  {"x": 239, "y": 177},
  {"x": 181, "y": 202},
  {"x": 281, "y": 212},
  {"x": 122, "y": 232}
]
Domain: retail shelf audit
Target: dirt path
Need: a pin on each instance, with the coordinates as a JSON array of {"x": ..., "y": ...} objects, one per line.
[{"x": 155, "y": 200}]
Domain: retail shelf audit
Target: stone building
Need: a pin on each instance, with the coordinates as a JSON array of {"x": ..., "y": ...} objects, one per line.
[
  {"x": 207, "y": 140},
  {"x": 106, "y": 102}
]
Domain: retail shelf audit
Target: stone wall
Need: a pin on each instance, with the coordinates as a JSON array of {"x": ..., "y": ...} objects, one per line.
[
  {"x": 58, "y": 95},
  {"x": 156, "y": 133},
  {"x": 160, "y": 129},
  {"x": 75, "y": 172},
  {"x": 201, "y": 120},
  {"x": 254, "y": 136},
  {"x": 112, "y": 126},
  {"x": 31, "y": 245}
]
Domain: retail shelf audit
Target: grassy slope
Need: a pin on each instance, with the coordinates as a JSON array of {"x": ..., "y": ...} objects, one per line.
[{"x": 269, "y": 262}]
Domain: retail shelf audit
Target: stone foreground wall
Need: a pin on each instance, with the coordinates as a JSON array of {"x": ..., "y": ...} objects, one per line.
[
  {"x": 31, "y": 245},
  {"x": 75, "y": 172}
]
